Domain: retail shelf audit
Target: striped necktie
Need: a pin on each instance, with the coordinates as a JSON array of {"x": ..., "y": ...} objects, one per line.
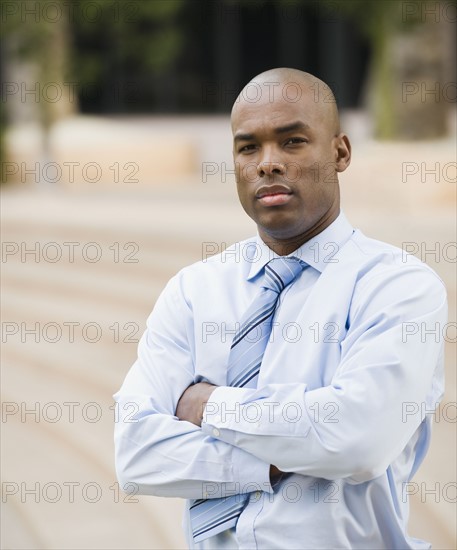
[{"x": 212, "y": 516}]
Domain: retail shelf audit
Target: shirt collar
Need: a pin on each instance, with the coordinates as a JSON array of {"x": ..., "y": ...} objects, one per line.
[{"x": 317, "y": 252}]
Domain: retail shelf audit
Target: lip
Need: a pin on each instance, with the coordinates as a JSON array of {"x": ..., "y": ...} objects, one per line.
[
  {"x": 276, "y": 189},
  {"x": 273, "y": 195}
]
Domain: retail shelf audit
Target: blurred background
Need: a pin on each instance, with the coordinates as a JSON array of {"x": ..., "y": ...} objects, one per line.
[{"x": 116, "y": 172}]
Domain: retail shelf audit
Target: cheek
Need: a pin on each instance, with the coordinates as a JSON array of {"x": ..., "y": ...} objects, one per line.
[
  {"x": 237, "y": 169},
  {"x": 318, "y": 170},
  {"x": 295, "y": 172},
  {"x": 301, "y": 176},
  {"x": 241, "y": 190},
  {"x": 246, "y": 172},
  {"x": 245, "y": 200}
]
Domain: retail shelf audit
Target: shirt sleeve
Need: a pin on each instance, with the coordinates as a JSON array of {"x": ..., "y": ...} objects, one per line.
[
  {"x": 156, "y": 451},
  {"x": 388, "y": 378}
]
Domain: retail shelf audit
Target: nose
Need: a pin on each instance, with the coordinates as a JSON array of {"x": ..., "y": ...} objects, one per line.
[{"x": 269, "y": 168}]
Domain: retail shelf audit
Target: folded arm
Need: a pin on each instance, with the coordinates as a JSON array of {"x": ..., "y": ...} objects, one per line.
[
  {"x": 154, "y": 449},
  {"x": 356, "y": 426}
]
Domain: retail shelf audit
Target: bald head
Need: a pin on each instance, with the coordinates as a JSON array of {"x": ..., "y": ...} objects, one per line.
[{"x": 294, "y": 86}]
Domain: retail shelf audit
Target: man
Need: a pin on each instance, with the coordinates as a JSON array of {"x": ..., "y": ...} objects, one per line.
[{"x": 273, "y": 380}]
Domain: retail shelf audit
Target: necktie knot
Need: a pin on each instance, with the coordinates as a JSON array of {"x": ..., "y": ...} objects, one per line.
[{"x": 280, "y": 272}]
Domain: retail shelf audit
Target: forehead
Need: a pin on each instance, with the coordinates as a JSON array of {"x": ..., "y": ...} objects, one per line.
[{"x": 252, "y": 116}]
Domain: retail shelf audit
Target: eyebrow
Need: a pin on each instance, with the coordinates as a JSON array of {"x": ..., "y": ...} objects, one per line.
[{"x": 293, "y": 126}]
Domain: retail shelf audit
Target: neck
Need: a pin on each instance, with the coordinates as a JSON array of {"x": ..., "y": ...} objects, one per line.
[{"x": 284, "y": 246}]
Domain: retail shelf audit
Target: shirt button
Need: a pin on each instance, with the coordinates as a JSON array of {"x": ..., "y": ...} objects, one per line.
[
  {"x": 216, "y": 432},
  {"x": 257, "y": 495}
]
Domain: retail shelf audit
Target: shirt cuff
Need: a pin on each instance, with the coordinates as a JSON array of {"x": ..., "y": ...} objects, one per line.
[
  {"x": 274, "y": 410},
  {"x": 222, "y": 413}
]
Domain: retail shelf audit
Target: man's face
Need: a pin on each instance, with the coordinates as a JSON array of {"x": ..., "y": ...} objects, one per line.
[{"x": 286, "y": 162}]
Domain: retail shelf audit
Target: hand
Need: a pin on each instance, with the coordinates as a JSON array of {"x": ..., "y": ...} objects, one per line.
[{"x": 192, "y": 402}]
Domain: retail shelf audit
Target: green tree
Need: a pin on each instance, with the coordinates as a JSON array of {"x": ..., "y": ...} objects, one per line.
[
  {"x": 42, "y": 38},
  {"x": 409, "y": 42}
]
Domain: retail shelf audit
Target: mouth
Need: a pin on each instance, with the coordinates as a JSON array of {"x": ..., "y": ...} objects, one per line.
[{"x": 273, "y": 195}]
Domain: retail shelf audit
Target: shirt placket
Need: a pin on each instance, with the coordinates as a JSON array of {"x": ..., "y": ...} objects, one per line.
[{"x": 245, "y": 529}]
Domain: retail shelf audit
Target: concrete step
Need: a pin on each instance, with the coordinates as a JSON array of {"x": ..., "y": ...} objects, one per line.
[
  {"x": 88, "y": 365},
  {"x": 94, "y": 515},
  {"x": 57, "y": 283}
]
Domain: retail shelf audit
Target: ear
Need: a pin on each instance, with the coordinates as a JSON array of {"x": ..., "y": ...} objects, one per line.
[{"x": 343, "y": 152}]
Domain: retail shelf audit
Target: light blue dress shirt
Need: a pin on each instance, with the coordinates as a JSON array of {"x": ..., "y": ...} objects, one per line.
[{"x": 349, "y": 380}]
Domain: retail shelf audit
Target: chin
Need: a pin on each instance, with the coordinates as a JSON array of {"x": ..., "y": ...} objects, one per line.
[
  {"x": 279, "y": 225},
  {"x": 280, "y": 233}
]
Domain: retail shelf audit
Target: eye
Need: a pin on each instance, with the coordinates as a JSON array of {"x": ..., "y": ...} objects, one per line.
[
  {"x": 247, "y": 148},
  {"x": 295, "y": 141}
]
